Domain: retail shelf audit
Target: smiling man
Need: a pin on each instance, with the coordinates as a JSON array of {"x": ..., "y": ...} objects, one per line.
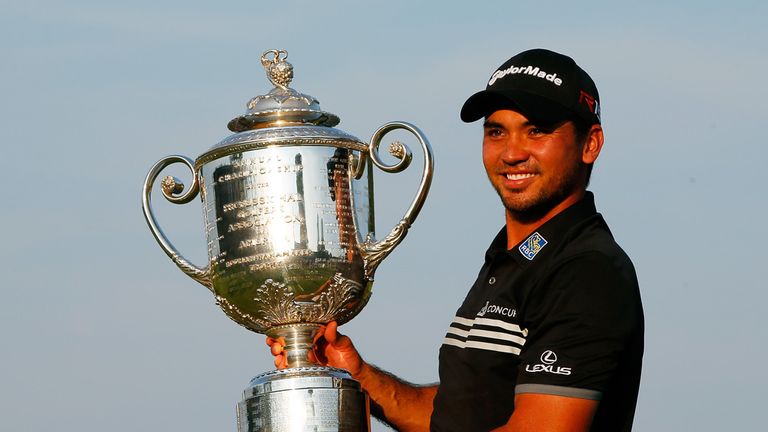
[
  {"x": 568, "y": 357},
  {"x": 550, "y": 336}
]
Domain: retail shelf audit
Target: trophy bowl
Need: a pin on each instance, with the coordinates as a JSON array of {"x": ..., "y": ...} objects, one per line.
[{"x": 289, "y": 219}]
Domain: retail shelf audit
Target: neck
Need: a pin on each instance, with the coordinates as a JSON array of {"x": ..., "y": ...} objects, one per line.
[{"x": 521, "y": 225}]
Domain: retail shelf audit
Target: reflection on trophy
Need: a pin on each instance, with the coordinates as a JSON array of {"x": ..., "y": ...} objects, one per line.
[{"x": 288, "y": 209}]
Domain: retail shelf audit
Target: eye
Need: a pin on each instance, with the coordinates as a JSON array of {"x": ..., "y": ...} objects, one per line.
[
  {"x": 493, "y": 132},
  {"x": 538, "y": 131}
]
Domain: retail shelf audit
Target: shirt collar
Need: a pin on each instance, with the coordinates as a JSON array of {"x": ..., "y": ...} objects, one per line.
[{"x": 545, "y": 237}]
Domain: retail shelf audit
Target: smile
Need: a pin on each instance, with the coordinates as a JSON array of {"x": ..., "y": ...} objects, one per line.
[{"x": 519, "y": 176}]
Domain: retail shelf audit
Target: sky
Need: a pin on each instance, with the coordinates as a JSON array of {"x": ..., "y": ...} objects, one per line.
[{"x": 98, "y": 329}]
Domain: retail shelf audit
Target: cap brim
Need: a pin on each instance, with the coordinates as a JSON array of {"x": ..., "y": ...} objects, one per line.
[{"x": 538, "y": 110}]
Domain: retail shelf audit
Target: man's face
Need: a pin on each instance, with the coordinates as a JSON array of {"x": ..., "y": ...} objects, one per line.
[{"x": 532, "y": 169}]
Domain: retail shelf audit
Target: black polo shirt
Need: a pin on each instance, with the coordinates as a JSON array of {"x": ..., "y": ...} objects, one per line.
[{"x": 558, "y": 314}]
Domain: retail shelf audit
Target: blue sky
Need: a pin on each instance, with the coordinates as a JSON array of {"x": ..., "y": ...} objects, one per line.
[{"x": 100, "y": 330}]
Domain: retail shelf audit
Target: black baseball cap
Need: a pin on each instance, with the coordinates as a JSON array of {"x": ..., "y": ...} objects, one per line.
[{"x": 546, "y": 87}]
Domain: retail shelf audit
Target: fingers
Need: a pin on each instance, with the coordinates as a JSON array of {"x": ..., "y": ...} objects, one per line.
[
  {"x": 276, "y": 345},
  {"x": 281, "y": 362},
  {"x": 277, "y": 348},
  {"x": 331, "y": 332},
  {"x": 326, "y": 338}
]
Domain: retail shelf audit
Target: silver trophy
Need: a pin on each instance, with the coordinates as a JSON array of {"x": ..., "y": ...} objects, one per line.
[{"x": 289, "y": 218}]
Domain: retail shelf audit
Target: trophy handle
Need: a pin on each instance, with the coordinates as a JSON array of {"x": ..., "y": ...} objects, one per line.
[
  {"x": 172, "y": 190},
  {"x": 372, "y": 251}
]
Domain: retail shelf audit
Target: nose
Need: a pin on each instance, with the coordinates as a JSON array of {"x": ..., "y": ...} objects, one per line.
[{"x": 515, "y": 150}]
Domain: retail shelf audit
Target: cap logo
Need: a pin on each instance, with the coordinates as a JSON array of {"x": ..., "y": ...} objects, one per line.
[
  {"x": 586, "y": 98},
  {"x": 528, "y": 70},
  {"x": 532, "y": 245}
]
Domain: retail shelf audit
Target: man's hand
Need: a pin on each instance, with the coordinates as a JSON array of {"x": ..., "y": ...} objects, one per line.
[
  {"x": 331, "y": 349},
  {"x": 399, "y": 403},
  {"x": 276, "y": 348},
  {"x": 336, "y": 350}
]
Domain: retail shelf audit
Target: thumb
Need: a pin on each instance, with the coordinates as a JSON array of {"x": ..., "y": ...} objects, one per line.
[{"x": 331, "y": 332}]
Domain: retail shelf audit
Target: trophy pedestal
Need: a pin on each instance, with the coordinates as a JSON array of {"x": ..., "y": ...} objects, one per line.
[{"x": 320, "y": 399}]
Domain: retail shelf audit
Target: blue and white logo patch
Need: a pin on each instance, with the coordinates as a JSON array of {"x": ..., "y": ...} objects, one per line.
[{"x": 532, "y": 245}]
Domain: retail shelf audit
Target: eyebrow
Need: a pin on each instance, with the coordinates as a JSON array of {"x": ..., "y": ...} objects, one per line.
[{"x": 491, "y": 124}]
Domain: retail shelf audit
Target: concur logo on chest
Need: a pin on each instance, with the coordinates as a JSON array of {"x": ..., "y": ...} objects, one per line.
[{"x": 497, "y": 310}]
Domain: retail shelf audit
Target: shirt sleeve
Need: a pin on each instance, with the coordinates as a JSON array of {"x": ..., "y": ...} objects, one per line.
[{"x": 581, "y": 321}]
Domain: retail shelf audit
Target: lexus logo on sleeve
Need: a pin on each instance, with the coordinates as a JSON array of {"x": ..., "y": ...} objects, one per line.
[{"x": 548, "y": 358}]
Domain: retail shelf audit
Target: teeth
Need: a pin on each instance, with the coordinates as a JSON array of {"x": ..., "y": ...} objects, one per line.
[{"x": 518, "y": 176}]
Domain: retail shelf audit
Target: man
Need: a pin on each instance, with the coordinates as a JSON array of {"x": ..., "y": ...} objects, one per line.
[{"x": 550, "y": 336}]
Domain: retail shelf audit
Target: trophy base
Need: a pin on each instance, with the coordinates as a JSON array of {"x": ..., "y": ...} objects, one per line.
[{"x": 316, "y": 398}]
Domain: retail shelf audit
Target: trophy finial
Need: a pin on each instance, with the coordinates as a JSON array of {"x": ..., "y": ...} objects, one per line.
[
  {"x": 282, "y": 105},
  {"x": 279, "y": 71}
]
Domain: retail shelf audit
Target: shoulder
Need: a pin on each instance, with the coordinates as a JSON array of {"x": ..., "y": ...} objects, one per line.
[
  {"x": 590, "y": 296},
  {"x": 590, "y": 275},
  {"x": 590, "y": 250},
  {"x": 595, "y": 278}
]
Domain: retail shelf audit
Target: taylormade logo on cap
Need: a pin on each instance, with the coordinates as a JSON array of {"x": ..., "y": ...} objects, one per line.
[{"x": 528, "y": 70}]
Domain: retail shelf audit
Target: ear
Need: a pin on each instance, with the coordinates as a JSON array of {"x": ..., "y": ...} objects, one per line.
[{"x": 592, "y": 145}]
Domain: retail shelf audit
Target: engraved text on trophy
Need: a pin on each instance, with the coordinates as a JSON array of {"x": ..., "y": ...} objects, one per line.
[{"x": 282, "y": 236}]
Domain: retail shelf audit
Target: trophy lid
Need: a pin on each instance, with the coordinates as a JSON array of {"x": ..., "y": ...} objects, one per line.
[
  {"x": 281, "y": 117},
  {"x": 283, "y": 105}
]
